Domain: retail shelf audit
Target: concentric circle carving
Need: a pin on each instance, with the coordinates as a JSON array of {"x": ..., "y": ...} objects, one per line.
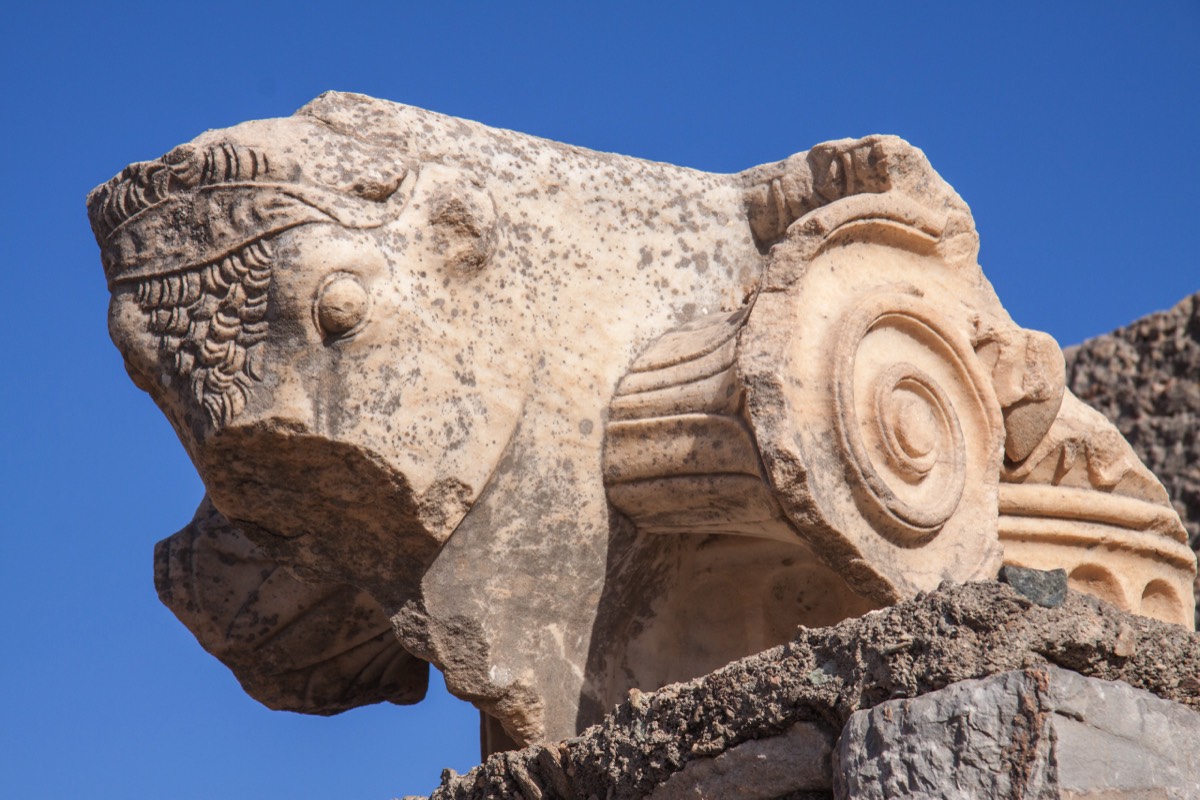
[
  {"x": 906, "y": 410},
  {"x": 878, "y": 425}
]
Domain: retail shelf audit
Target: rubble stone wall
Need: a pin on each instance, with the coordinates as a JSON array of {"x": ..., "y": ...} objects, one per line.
[{"x": 1145, "y": 377}]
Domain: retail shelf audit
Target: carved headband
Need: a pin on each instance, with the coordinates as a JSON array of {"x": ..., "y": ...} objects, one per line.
[{"x": 199, "y": 227}]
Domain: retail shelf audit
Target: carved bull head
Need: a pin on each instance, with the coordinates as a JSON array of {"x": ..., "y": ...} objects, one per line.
[
  {"x": 666, "y": 415},
  {"x": 328, "y": 331}
]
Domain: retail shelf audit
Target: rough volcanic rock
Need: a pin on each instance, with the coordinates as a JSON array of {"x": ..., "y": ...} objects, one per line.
[
  {"x": 822, "y": 677},
  {"x": 1145, "y": 377}
]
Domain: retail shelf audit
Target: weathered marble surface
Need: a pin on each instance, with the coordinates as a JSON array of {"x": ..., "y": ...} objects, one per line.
[
  {"x": 317, "y": 648},
  {"x": 576, "y": 423}
]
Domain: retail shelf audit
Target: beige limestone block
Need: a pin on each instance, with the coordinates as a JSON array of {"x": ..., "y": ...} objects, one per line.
[{"x": 577, "y": 423}]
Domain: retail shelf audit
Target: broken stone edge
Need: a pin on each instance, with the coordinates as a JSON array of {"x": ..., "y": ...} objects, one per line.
[{"x": 955, "y": 633}]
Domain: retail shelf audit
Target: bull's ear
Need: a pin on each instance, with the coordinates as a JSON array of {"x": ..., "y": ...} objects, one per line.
[{"x": 462, "y": 223}]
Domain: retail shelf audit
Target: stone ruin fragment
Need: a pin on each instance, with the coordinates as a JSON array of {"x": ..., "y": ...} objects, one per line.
[{"x": 567, "y": 424}]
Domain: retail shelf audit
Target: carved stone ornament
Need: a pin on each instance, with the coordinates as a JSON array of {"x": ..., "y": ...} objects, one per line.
[{"x": 565, "y": 423}]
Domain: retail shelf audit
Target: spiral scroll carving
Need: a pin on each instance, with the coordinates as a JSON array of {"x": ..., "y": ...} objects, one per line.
[{"x": 907, "y": 411}]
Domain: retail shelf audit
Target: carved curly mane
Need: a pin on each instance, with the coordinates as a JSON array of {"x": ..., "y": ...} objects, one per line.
[{"x": 209, "y": 322}]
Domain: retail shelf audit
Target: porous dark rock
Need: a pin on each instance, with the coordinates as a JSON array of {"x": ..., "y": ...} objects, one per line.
[
  {"x": 822, "y": 677},
  {"x": 1145, "y": 377},
  {"x": 1045, "y": 587}
]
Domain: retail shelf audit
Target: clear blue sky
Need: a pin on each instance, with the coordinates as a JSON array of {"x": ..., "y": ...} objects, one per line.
[{"x": 1070, "y": 128}]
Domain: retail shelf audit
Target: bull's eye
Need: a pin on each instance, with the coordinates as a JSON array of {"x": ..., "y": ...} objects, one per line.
[{"x": 341, "y": 305}]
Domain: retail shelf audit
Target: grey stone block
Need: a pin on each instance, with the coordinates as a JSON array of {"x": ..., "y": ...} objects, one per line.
[
  {"x": 760, "y": 769},
  {"x": 1046, "y": 588},
  {"x": 1043, "y": 733}
]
